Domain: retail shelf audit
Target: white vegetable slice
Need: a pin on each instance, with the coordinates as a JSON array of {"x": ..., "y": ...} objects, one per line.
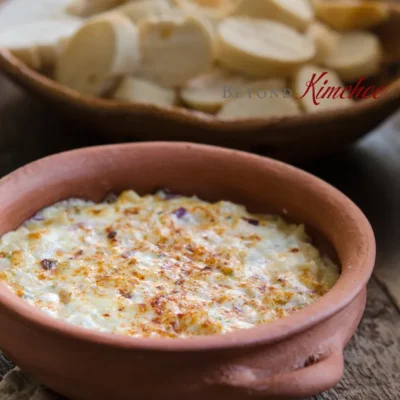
[
  {"x": 325, "y": 40},
  {"x": 142, "y": 9},
  {"x": 210, "y": 3},
  {"x": 210, "y": 91},
  {"x": 214, "y": 11},
  {"x": 320, "y": 88},
  {"x": 141, "y": 91},
  {"x": 104, "y": 48},
  {"x": 87, "y": 8},
  {"x": 175, "y": 49},
  {"x": 258, "y": 107},
  {"x": 296, "y": 13},
  {"x": 358, "y": 54},
  {"x": 351, "y": 15},
  {"x": 261, "y": 48},
  {"x": 37, "y": 43}
]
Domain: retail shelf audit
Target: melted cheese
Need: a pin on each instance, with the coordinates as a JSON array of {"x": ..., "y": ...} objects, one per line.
[{"x": 163, "y": 265}]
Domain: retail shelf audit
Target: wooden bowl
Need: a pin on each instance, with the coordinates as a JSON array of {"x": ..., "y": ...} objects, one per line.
[{"x": 287, "y": 138}]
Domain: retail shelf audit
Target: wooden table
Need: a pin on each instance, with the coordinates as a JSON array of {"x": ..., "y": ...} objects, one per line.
[{"x": 369, "y": 173}]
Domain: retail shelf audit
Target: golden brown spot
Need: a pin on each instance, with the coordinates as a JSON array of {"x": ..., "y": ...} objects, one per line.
[
  {"x": 143, "y": 307},
  {"x": 132, "y": 211},
  {"x": 97, "y": 211},
  {"x": 226, "y": 270},
  {"x": 125, "y": 293},
  {"x": 280, "y": 312},
  {"x": 283, "y": 298},
  {"x": 34, "y": 235},
  {"x": 16, "y": 257},
  {"x": 65, "y": 296},
  {"x": 254, "y": 237},
  {"x": 221, "y": 299},
  {"x": 158, "y": 304},
  {"x": 138, "y": 275}
]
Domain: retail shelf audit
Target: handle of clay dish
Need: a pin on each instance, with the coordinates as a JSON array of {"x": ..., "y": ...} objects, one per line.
[{"x": 303, "y": 382}]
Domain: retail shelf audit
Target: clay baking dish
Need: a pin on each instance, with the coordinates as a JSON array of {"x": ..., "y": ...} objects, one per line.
[
  {"x": 289, "y": 139},
  {"x": 296, "y": 356}
]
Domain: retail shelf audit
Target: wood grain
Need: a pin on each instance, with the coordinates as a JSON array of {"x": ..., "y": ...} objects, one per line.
[
  {"x": 372, "y": 363},
  {"x": 368, "y": 172}
]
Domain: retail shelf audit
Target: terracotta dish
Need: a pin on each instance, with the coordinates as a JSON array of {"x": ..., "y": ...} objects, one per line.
[
  {"x": 296, "y": 356},
  {"x": 286, "y": 138}
]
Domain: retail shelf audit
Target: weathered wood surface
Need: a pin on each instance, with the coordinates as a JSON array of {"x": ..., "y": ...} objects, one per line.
[{"x": 369, "y": 173}]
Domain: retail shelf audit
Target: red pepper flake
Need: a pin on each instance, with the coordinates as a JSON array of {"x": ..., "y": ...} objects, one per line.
[
  {"x": 180, "y": 212},
  {"x": 78, "y": 253},
  {"x": 157, "y": 304},
  {"x": 175, "y": 325},
  {"x": 128, "y": 254},
  {"x": 112, "y": 235},
  {"x": 125, "y": 293},
  {"x": 106, "y": 315},
  {"x": 132, "y": 211},
  {"x": 294, "y": 250},
  {"x": 48, "y": 264},
  {"x": 252, "y": 221}
]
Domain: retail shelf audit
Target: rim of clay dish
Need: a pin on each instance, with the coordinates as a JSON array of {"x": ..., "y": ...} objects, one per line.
[{"x": 345, "y": 290}]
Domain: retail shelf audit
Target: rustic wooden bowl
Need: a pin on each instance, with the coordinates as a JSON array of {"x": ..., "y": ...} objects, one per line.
[{"x": 288, "y": 138}]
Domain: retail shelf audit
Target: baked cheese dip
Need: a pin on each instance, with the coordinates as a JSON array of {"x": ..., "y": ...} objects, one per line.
[{"x": 163, "y": 265}]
